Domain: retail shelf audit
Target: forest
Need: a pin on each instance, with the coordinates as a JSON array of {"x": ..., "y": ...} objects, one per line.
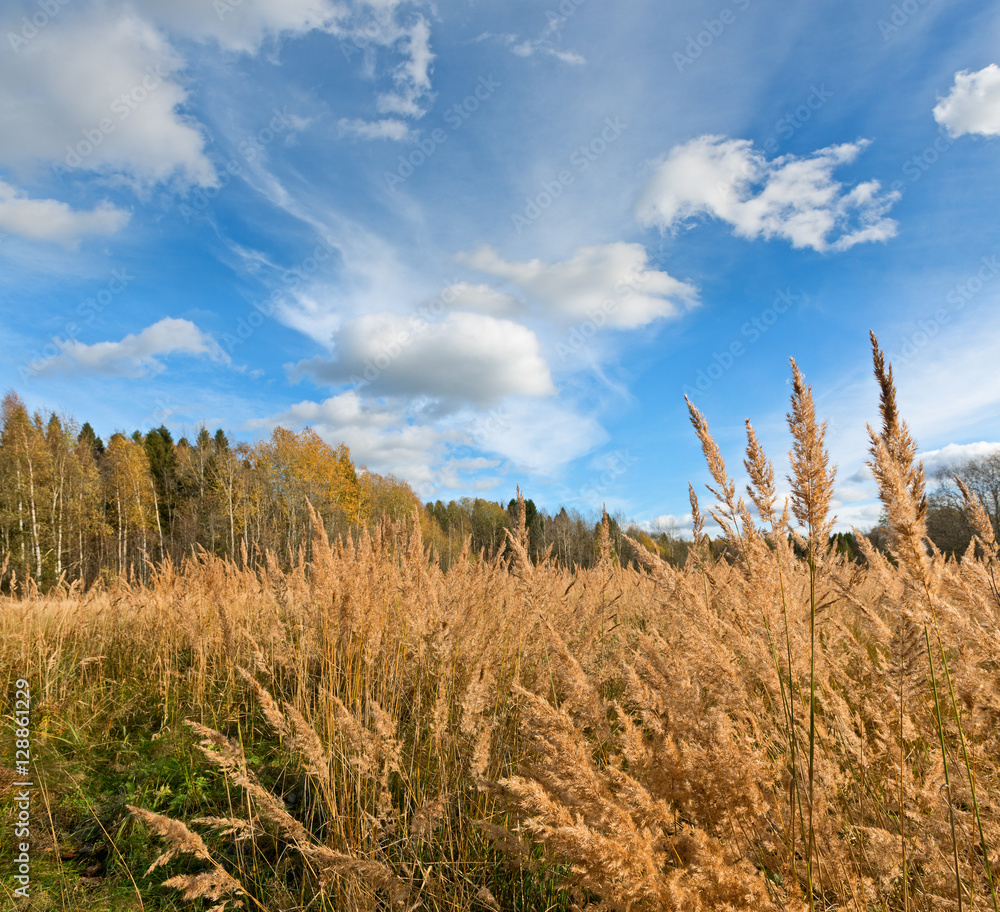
[{"x": 76, "y": 508}]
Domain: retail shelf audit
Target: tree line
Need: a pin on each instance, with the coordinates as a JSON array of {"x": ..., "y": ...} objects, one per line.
[{"x": 73, "y": 507}]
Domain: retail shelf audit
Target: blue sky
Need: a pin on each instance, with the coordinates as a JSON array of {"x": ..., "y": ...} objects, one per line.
[{"x": 496, "y": 244}]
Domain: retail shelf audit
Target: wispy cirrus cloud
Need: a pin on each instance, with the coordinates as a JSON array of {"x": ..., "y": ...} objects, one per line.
[{"x": 389, "y": 128}]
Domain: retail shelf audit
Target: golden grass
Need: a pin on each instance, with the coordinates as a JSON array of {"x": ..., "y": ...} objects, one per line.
[{"x": 764, "y": 731}]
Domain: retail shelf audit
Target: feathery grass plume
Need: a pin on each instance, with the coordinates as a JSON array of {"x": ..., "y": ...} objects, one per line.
[
  {"x": 213, "y": 885},
  {"x": 761, "y": 490},
  {"x": 578, "y": 691},
  {"x": 522, "y": 560},
  {"x": 517, "y": 540},
  {"x": 241, "y": 830},
  {"x": 980, "y": 521},
  {"x": 480, "y": 690},
  {"x": 604, "y": 546},
  {"x": 180, "y": 839},
  {"x": 697, "y": 519},
  {"x": 900, "y": 481},
  {"x": 427, "y": 817},
  {"x": 977, "y": 814},
  {"x": 985, "y": 534},
  {"x": 902, "y": 490},
  {"x": 651, "y": 561},
  {"x": 300, "y": 734},
  {"x": 725, "y": 493},
  {"x": 325, "y": 861},
  {"x": 812, "y": 478},
  {"x": 520, "y": 520},
  {"x": 679, "y": 799}
]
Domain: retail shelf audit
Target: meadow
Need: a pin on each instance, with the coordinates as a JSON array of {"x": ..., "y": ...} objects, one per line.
[{"x": 777, "y": 728}]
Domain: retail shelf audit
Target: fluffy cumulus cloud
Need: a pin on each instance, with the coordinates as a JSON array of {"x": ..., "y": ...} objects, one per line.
[
  {"x": 790, "y": 197},
  {"x": 382, "y": 436},
  {"x": 954, "y": 454},
  {"x": 973, "y": 104},
  {"x": 613, "y": 283},
  {"x": 432, "y": 453},
  {"x": 97, "y": 92},
  {"x": 138, "y": 354},
  {"x": 480, "y": 298},
  {"x": 51, "y": 220},
  {"x": 462, "y": 358}
]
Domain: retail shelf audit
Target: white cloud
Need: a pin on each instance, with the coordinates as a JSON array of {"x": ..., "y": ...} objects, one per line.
[
  {"x": 973, "y": 104},
  {"x": 464, "y": 357},
  {"x": 411, "y": 76},
  {"x": 51, "y": 220},
  {"x": 789, "y": 197},
  {"x": 97, "y": 92},
  {"x": 387, "y": 128},
  {"x": 860, "y": 516},
  {"x": 389, "y": 437},
  {"x": 954, "y": 454},
  {"x": 528, "y": 47},
  {"x": 394, "y": 103},
  {"x": 414, "y": 73},
  {"x": 480, "y": 298},
  {"x": 614, "y": 280},
  {"x": 381, "y": 436},
  {"x": 569, "y": 57},
  {"x": 536, "y": 436},
  {"x": 139, "y": 354},
  {"x": 243, "y": 25},
  {"x": 97, "y": 89},
  {"x": 680, "y": 526}
]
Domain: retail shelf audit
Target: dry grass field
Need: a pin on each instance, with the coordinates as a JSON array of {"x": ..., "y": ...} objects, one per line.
[{"x": 780, "y": 728}]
